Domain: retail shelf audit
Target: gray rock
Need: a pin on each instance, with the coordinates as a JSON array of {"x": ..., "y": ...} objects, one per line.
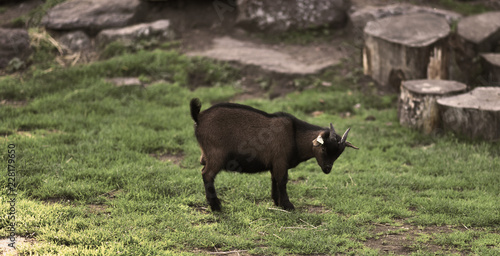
[
  {"x": 160, "y": 30},
  {"x": 281, "y": 15},
  {"x": 90, "y": 15},
  {"x": 125, "y": 81},
  {"x": 482, "y": 30},
  {"x": 362, "y": 16},
  {"x": 14, "y": 43},
  {"x": 75, "y": 41}
]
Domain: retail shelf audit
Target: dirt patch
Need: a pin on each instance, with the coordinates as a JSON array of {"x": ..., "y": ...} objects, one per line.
[
  {"x": 97, "y": 209},
  {"x": 5, "y": 249},
  {"x": 113, "y": 193},
  {"x": 13, "y": 103},
  {"x": 175, "y": 158},
  {"x": 406, "y": 239},
  {"x": 317, "y": 209}
]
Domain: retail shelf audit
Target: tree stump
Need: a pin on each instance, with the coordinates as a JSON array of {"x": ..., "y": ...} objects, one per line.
[
  {"x": 475, "y": 114},
  {"x": 491, "y": 67},
  {"x": 406, "y": 47},
  {"x": 417, "y": 106},
  {"x": 475, "y": 34}
]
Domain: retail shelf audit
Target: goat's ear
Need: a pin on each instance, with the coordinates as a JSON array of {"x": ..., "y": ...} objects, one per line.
[
  {"x": 348, "y": 144},
  {"x": 320, "y": 140}
]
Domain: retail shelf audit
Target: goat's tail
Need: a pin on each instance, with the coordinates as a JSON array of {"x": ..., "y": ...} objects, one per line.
[{"x": 195, "y": 105}]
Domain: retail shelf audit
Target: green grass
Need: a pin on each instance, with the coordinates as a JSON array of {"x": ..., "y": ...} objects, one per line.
[{"x": 88, "y": 184}]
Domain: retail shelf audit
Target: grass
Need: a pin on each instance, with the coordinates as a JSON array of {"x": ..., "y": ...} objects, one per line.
[{"x": 89, "y": 185}]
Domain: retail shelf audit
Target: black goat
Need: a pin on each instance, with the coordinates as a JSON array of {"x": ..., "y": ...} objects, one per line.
[{"x": 240, "y": 138}]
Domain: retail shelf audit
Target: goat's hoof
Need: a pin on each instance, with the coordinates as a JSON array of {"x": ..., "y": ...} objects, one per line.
[
  {"x": 288, "y": 206},
  {"x": 215, "y": 205}
]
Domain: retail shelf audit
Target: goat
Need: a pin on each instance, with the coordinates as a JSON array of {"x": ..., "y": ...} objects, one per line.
[{"x": 240, "y": 138}]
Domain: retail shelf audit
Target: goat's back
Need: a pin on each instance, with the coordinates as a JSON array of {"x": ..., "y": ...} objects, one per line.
[{"x": 244, "y": 134}]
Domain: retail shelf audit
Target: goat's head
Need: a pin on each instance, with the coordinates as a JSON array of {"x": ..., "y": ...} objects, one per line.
[{"x": 328, "y": 146}]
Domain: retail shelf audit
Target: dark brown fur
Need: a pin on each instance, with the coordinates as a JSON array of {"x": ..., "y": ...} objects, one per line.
[{"x": 240, "y": 138}]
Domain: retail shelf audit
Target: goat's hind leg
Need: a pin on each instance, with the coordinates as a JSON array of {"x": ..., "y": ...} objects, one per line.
[{"x": 209, "y": 172}]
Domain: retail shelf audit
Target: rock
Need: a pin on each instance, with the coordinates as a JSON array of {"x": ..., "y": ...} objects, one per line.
[
  {"x": 273, "y": 60},
  {"x": 362, "y": 16},
  {"x": 475, "y": 114},
  {"x": 492, "y": 67},
  {"x": 281, "y": 15},
  {"x": 160, "y": 30},
  {"x": 14, "y": 43},
  {"x": 125, "y": 81},
  {"x": 417, "y": 106},
  {"x": 75, "y": 41},
  {"x": 482, "y": 31},
  {"x": 406, "y": 47},
  {"x": 90, "y": 15}
]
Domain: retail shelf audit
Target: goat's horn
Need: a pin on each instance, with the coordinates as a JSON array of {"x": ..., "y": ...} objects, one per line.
[
  {"x": 332, "y": 131},
  {"x": 344, "y": 137}
]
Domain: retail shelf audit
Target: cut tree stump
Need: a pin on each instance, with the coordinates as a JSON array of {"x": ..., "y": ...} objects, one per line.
[
  {"x": 417, "y": 106},
  {"x": 475, "y": 114},
  {"x": 491, "y": 68},
  {"x": 406, "y": 47}
]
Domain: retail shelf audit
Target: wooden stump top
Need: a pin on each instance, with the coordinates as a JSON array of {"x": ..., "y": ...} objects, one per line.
[
  {"x": 482, "y": 98},
  {"x": 415, "y": 30},
  {"x": 478, "y": 28},
  {"x": 492, "y": 58},
  {"x": 435, "y": 87}
]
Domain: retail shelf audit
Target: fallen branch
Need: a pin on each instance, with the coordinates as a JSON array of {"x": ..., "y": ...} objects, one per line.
[
  {"x": 226, "y": 253},
  {"x": 276, "y": 209}
]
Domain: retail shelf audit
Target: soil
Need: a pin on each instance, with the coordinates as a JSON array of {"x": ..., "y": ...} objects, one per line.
[
  {"x": 401, "y": 239},
  {"x": 197, "y": 24}
]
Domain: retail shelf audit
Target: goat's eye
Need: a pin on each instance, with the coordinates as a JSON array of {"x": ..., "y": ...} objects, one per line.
[{"x": 323, "y": 150}]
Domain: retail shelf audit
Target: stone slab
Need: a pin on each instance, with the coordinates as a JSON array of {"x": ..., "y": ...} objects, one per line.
[{"x": 263, "y": 56}]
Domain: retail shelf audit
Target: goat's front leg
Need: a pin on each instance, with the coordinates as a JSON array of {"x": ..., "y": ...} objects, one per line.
[{"x": 280, "y": 179}]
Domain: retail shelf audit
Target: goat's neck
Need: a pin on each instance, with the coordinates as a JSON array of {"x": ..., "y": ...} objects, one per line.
[{"x": 305, "y": 142}]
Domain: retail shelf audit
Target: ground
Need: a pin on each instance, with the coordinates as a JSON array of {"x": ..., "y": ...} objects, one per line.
[{"x": 393, "y": 196}]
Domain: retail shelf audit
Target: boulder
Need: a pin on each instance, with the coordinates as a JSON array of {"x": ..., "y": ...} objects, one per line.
[
  {"x": 406, "y": 47},
  {"x": 281, "y": 15},
  {"x": 475, "y": 114},
  {"x": 90, "y": 15},
  {"x": 14, "y": 43},
  {"x": 75, "y": 41},
  {"x": 482, "y": 31},
  {"x": 362, "y": 16},
  {"x": 160, "y": 30}
]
